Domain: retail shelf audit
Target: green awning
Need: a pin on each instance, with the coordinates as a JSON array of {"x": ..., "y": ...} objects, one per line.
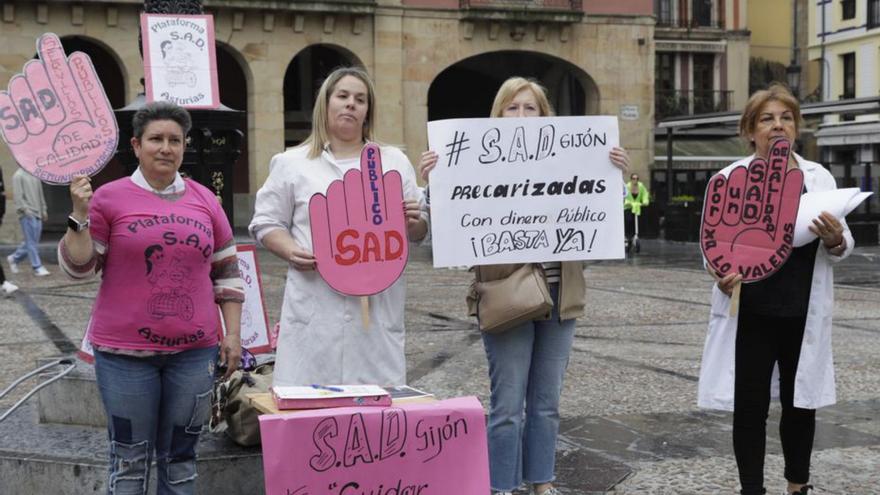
[{"x": 709, "y": 152}]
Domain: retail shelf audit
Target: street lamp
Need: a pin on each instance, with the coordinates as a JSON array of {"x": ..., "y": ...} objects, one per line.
[{"x": 793, "y": 77}]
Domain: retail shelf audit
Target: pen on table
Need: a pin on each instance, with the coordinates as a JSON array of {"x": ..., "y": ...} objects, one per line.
[{"x": 325, "y": 387}]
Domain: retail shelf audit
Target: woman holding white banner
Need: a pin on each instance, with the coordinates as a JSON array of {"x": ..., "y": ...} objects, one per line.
[
  {"x": 783, "y": 325},
  {"x": 322, "y": 339},
  {"x": 527, "y": 363}
]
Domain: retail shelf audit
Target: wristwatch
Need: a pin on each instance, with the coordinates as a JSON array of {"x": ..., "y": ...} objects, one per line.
[{"x": 77, "y": 226}]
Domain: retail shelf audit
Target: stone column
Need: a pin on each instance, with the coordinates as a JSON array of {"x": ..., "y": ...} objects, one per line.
[{"x": 388, "y": 73}]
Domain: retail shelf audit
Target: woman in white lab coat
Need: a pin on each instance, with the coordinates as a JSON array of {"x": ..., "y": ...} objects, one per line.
[
  {"x": 322, "y": 339},
  {"x": 783, "y": 325}
]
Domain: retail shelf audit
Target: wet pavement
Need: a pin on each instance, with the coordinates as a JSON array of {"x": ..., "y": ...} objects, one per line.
[{"x": 629, "y": 419}]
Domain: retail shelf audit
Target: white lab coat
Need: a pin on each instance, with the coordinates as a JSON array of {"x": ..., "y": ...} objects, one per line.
[
  {"x": 322, "y": 338},
  {"x": 814, "y": 381}
]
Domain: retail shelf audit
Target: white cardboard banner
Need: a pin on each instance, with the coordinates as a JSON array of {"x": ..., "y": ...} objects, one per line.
[
  {"x": 518, "y": 190},
  {"x": 180, "y": 63}
]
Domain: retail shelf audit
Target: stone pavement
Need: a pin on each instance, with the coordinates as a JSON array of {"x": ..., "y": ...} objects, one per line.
[{"x": 629, "y": 420}]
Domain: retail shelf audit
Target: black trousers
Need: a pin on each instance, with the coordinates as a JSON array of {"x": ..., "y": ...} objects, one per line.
[
  {"x": 762, "y": 341},
  {"x": 629, "y": 221}
]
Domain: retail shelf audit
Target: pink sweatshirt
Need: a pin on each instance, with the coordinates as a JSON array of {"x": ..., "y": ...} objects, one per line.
[{"x": 157, "y": 291}]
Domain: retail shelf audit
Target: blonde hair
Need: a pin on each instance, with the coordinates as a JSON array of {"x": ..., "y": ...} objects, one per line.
[
  {"x": 775, "y": 92},
  {"x": 320, "y": 135},
  {"x": 511, "y": 87}
]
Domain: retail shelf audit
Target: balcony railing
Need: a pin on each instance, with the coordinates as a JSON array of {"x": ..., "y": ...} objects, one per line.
[
  {"x": 676, "y": 103},
  {"x": 664, "y": 20},
  {"x": 524, "y": 10}
]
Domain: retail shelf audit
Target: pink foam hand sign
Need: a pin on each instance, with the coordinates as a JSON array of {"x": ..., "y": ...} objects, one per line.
[
  {"x": 359, "y": 228},
  {"x": 55, "y": 116},
  {"x": 749, "y": 216}
]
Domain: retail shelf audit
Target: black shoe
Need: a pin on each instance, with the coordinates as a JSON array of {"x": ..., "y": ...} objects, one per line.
[{"x": 803, "y": 490}]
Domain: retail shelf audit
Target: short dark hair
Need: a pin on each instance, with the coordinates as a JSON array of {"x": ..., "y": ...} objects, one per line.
[{"x": 160, "y": 110}]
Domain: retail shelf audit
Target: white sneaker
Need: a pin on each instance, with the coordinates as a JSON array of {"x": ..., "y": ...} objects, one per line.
[
  {"x": 41, "y": 272},
  {"x": 9, "y": 287},
  {"x": 13, "y": 266}
]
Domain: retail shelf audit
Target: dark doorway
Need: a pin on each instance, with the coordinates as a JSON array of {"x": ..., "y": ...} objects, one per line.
[
  {"x": 234, "y": 94},
  {"x": 302, "y": 80},
  {"x": 467, "y": 88}
]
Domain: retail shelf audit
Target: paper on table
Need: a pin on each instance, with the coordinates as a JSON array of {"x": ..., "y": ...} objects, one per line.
[
  {"x": 328, "y": 391},
  {"x": 838, "y": 202}
]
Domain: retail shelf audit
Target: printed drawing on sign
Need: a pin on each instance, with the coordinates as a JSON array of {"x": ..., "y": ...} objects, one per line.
[
  {"x": 171, "y": 282},
  {"x": 180, "y": 61},
  {"x": 359, "y": 229},
  {"x": 412, "y": 449},
  {"x": 521, "y": 190},
  {"x": 749, "y": 216},
  {"x": 55, "y": 116}
]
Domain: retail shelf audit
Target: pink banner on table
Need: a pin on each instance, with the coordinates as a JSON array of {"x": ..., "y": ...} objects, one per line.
[
  {"x": 434, "y": 448},
  {"x": 749, "y": 216},
  {"x": 359, "y": 229},
  {"x": 55, "y": 116}
]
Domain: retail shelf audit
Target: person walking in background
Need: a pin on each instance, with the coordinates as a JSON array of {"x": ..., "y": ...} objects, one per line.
[
  {"x": 635, "y": 198},
  {"x": 30, "y": 204},
  {"x": 783, "y": 322},
  {"x": 7, "y": 286},
  {"x": 527, "y": 363}
]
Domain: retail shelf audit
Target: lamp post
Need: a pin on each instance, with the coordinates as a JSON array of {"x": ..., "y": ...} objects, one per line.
[{"x": 793, "y": 78}]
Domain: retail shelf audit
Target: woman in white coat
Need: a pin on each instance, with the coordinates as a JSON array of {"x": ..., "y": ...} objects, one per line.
[
  {"x": 783, "y": 326},
  {"x": 322, "y": 339}
]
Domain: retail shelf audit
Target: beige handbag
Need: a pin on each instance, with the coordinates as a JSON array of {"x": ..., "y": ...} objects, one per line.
[
  {"x": 522, "y": 296},
  {"x": 233, "y": 406}
]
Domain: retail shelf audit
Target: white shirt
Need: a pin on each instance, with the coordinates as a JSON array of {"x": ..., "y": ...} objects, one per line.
[
  {"x": 177, "y": 186},
  {"x": 814, "y": 380},
  {"x": 322, "y": 338}
]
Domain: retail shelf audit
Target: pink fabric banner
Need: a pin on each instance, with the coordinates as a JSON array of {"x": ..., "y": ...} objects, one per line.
[{"x": 436, "y": 448}]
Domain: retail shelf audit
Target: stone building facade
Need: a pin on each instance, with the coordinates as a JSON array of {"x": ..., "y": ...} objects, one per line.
[{"x": 429, "y": 58}]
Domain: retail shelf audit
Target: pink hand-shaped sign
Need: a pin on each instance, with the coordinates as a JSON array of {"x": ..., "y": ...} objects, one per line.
[
  {"x": 55, "y": 116},
  {"x": 359, "y": 229},
  {"x": 749, "y": 216}
]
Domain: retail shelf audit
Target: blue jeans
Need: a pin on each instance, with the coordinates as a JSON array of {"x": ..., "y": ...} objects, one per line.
[
  {"x": 526, "y": 368},
  {"x": 158, "y": 403},
  {"x": 32, "y": 228}
]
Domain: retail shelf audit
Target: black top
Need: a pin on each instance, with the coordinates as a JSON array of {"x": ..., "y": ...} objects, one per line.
[{"x": 786, "y": 292}]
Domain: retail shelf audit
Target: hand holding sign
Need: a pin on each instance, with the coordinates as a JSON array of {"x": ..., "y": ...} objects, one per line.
[
  {"x": 749, "y": 216},
  {"x": 55, "y": 116},
  {"x": 359, "y": 229}
]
